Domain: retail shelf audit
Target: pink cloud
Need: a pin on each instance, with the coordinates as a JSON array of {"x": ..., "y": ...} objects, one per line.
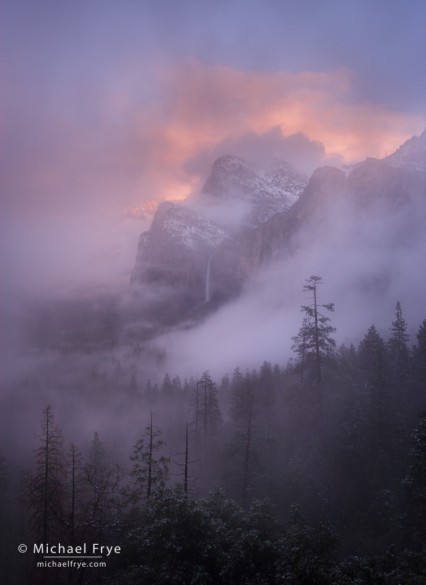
[{"x": 145, "y": 133}]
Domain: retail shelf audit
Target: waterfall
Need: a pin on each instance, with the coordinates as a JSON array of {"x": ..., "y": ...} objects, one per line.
[{"x": 207, "y": 290}]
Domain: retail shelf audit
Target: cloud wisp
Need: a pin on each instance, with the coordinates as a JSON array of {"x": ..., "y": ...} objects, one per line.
[{"x": 141, "y": 146}]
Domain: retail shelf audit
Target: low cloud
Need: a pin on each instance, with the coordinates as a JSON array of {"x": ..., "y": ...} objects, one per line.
[
  {"x": 263, "y": 150},
  {"x": 113, "y": 146},
  {"x": 367, "y": 262}
]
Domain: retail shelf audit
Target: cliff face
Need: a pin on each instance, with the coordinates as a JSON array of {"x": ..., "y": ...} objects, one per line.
[
  {"x": 176, "y": 249},
  {"x": 251, "y": 248},
  {"x": 182, "y": 248},
  {"x": 266, "y": 192},
  {"x": 206, "y": 263},
  {"x": 378, "y": 182}
]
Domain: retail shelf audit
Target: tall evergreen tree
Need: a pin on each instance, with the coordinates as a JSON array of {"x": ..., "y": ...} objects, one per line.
[
  {"x": 373, "y": 364},
  {"x": 45, "y": 487},
  {"x": 382, "y": 426},
  {"x": 150, "y": 469},
  {"x": 187, "y": 463},
  {"x": 104, "y": 480},
  {"x": 207, "y": 409},
  {"x": 76, "y": 492},
  {"x": 300, "y": 347},
  {"x": 398, "y": 350},
  {"x": 314, "y": 341},
  {"x": 247, "y": 456},
  {"x": 241, "y": 391}
]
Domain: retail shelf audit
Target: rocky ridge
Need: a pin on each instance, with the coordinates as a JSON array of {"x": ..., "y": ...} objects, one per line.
[
  {"x": 411, "y": 155},
  {"x": 184, "y": 250},
  {"x": 266, "y": 191}
]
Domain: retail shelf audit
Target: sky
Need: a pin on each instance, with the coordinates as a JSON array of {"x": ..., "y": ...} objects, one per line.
[{"x": 107, "y": 107}]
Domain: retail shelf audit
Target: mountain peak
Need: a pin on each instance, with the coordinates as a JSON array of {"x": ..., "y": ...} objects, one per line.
[
  {"x": 411, "y": 155},
  {"x": 230, "y": 176},
  {"x": 265, "y": 191}
]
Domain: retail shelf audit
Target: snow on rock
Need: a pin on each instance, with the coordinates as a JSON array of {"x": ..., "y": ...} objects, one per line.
[
  {"x": 411, "y": 155},
  {"x": 186, "y": 228},
  {"x": 267, "y": 191}
]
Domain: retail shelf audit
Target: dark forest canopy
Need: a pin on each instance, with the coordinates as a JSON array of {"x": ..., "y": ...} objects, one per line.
[{"x": 226, "y": 480}]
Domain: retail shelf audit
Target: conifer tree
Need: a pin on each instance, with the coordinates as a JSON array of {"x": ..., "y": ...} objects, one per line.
[
  {"x": 150, "y": 470},
  {"x": 186, "y": 465},
  {"x": 75, "y": 482},
  {"x": 247, "y": 456},
  {"x": 103, "y": 480},
  {"x": 379, "y": 412},
  {"x": 300, "y": 347},
  {"x": 398, "y": 350},
  {"x": 241, "y": 391},
  {"x": 267, "y": 389},
  {"x": 207, "y": 415},
  {"x": 314, "y": 341},
  {"x": 45, "y": 487},
  {"x": 373, "y": 363}
]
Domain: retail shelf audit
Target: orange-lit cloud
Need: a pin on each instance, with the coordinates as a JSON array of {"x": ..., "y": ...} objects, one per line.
[
  {"x": 125, "y": 146},
  {"x": 201, "y": 107}
]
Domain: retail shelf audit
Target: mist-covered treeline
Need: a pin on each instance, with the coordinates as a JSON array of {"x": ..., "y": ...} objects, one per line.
[{"x": 274, "y": 475}]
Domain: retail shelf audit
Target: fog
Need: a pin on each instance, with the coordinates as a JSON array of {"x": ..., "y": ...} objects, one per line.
[
  {"x": 265, "y": 149},
  {"x": 47, "y": 254},
  {"x": 368, "y": 260}
]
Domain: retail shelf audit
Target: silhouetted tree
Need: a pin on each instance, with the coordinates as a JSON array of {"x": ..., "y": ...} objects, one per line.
[
  {"x": 104, "y": 486},
  {"x": 398, "y": 351},
  {"x": 186, "y": 465},
  {"x": 314, "y": 341},
  {"x": 150, "y": 470},
  {"x": 373, "y": 367},
  {"x": 75, "y": 482},
  {"x": 45, "y": 487}
]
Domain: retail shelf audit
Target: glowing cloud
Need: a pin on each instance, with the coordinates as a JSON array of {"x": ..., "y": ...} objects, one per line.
[
  {"x": 122, "y": 146},
  {"x": 207, "y": 109}
]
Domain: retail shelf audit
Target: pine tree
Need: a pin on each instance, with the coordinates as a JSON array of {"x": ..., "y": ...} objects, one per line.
[
  {"x": 45, "y": 487},
  {"x": 381, "y": 425},
  {"x": 300, "y": 347},
  {"x": 398, "y": 350},
  {"x": 241, "y": 391},
  {"x": 268, "y": 392},
  {"x": 314, "y": 341},
  {"x": 186, "y": 473},
  {"x": 167, "y": 387},
  {"x": 75, "y": 483},
  {"x": 206, "y": 411},
  {"x": 210, "y": 411},
  {"x": 150, "y": 471},
  {"x": 103, "y": 480},
  {"x": 247, "y": 456},
  {"x": 373, "y": 364}
]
